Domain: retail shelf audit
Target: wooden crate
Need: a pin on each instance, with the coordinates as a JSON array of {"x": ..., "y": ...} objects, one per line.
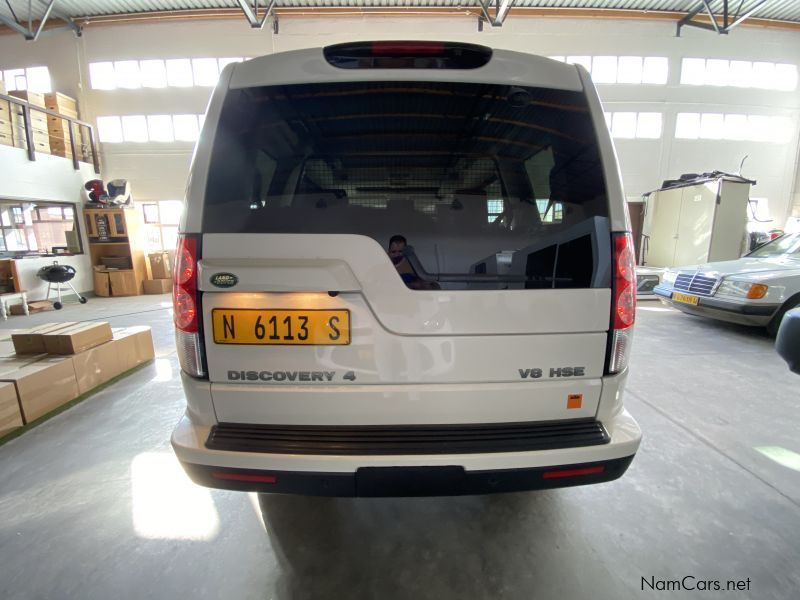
[
  {"x": 39, "y": 135},
  {"x": 38, "y": 120},
  {"x": 34, "y": 98},
  {"x": 61, "y": 103},
  {"x": 6, "y": 139},
  {"x": 5, "y": 126},
  {"x": 5, "y": 110}
]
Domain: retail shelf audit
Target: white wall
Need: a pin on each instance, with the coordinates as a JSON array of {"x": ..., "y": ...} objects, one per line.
[{"x": 158, "y": 171}]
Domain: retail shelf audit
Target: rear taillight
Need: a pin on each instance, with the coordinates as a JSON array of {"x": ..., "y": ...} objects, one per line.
[
  {"x": 185, "y": 304},
  {"x": 407, "y": 55},
  {"x": 623, "y": 306}
]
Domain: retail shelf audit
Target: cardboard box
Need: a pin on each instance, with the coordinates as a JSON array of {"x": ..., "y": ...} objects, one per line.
[
  {"x": 31, "y": 341},
  {"x": 38, "y": 121},
  {"x": 96, "y": 366},
  {"x": 10, "y": 416},
  {"x": 77, "y": 338},
  {"x": 160, "y": 266},
  {"x": 33, "y": 307},
  {"x": 38, "y": 306},
  {"x": 34, "y": 98},
  {"x": 102, "y": 285},
  {"x": 157, "y": 286},
  {"x": 61, "y": 103},
  {"x": 123, "y": 283},
  {"x": 134, "y": 346},
  {"x": 43, "y": 386}
]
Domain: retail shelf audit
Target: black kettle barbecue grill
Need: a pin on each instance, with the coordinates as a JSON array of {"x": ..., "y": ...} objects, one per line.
[{"x": 57, "y": 274}]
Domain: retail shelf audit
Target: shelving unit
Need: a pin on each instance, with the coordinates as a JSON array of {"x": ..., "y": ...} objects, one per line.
[{"x": 115, "y": 247}]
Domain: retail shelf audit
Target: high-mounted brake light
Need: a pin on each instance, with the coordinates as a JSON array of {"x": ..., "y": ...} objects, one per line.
[
  {"x": 185, "y": 304},
  {"x": 407, "y": 55},
  {"x": 623, "y": 304},
  {"x": 407, "y": 48}
]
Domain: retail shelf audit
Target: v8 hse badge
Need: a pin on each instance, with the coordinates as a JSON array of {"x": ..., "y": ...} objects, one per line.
[{"x": 224, "y": 280}]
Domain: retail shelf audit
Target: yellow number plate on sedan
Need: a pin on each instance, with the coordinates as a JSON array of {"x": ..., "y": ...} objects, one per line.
[
  {"x": 685, "y": 298},
  {"x": 281, "y": 327}
]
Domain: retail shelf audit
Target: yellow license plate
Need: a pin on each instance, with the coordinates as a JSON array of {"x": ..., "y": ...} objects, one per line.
[
  {"x": 685, "y": 298},
  {"x": 281, "y": 327}
]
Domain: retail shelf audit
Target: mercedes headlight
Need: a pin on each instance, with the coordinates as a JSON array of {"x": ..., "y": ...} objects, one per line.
[
  {"x": 742, "y": 289},
  {"x": 669, "y": 276}
]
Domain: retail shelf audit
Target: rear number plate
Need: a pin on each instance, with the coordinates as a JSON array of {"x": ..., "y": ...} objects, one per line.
[
  {"x": 265, "y": 327},
  {"x": 685, "y": 298}
]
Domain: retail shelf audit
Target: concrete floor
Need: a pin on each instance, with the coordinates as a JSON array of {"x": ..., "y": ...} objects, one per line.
[{"x": 93, "y": 504}]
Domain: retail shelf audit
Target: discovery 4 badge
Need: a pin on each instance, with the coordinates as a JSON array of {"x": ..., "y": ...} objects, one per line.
[{"x": 224, "y": 280}]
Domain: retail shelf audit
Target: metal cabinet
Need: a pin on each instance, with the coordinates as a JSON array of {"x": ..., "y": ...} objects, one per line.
[{"x": 700, "y": 222}]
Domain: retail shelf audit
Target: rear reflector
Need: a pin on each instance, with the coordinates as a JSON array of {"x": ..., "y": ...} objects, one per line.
[
  {"x": 248, "y": 477},
  {"x": 573, "y": 472},
  {"x": 407, "y": 55}
]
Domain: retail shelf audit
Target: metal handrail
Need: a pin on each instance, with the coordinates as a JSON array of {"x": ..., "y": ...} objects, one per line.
[{"x": 27, "y": 107}]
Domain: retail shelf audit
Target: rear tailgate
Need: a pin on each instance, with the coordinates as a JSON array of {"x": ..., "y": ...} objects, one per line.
[{"x": 412, "y": 357}]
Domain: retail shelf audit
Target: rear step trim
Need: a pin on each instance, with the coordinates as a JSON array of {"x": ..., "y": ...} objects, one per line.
[{"x": 406, "y": 439}]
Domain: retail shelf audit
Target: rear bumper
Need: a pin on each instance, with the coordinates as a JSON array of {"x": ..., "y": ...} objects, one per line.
[
  {"x": 408, "y": 481},
  {"x": 405, "y": 475}
]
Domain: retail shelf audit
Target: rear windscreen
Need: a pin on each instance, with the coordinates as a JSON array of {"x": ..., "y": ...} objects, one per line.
[{"x": 477, "y": 186}]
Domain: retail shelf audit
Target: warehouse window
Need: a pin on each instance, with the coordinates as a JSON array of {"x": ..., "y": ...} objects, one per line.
[
  {"x": 630, "y": 125},
  {"x": 738, "y": 127},
  {"x": 156, "y": 73},
  {"x": 652, "y": 70},
  {"x": 161, "y": 224},
  {"x": 34, "y": 79},
  {"x": 739, "y": 73},
  {"x": 41, "y": 228},
  {"x": 149, "y": 128}
]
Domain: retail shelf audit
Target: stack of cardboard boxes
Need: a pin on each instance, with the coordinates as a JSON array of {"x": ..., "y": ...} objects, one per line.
[
  {"x": 5, "y": 120},
  {"x": 41, "y": 138},
  {"x": 47, "y": 366},
  {"x": 161, "y": 270},
  {"x": 50, "y": 134},
  {"x": 58, "y": 128}
]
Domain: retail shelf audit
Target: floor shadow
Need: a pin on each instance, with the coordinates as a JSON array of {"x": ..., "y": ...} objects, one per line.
[{"x": 459, "y": 547}]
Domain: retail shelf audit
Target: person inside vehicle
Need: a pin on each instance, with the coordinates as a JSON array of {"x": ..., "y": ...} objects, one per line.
[{"x": 397, "y": 244}]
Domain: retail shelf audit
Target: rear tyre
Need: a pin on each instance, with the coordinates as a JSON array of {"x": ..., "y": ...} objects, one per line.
[
  {"x": 775, "y": 323},
  {"x": 57, "y": 305}
]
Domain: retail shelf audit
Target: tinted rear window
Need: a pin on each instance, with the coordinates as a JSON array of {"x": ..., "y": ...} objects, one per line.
[{"x": 489, "y": 184}]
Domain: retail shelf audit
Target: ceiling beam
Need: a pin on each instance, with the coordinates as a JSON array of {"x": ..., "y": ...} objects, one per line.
[
  {"x": 251, "y": 12},
  {"x": 712, "y": 24},
  {"x": 501, "y": 8},
  {"x": 43, "y": 24}
]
